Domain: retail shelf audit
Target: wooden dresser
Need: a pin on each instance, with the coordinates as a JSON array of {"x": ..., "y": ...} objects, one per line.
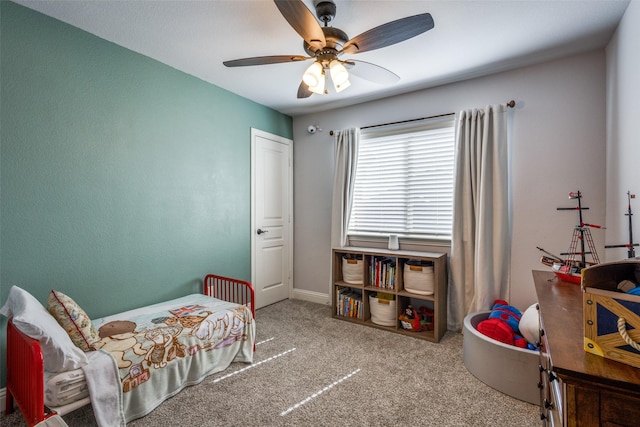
[{"x": 579, "y": 388}]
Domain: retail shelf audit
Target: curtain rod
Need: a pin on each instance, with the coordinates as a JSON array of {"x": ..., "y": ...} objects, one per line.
[{"x": 510, "y": 104}]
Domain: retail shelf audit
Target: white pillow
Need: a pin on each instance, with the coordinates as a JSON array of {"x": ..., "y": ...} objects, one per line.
[
  {"x": 31, "y": 318},
  {"x": 530, "y": 325}
]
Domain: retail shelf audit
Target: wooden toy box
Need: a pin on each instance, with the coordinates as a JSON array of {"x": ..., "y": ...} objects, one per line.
[{"x": 612, "y": 317}]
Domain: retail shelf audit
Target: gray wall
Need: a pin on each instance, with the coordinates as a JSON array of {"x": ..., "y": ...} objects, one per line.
[
  {"x": 623, "y": 131},
  {"x": 558, "y": 146}
]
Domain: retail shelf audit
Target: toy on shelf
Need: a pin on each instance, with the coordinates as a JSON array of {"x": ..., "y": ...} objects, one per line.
[
  {"x": 631, "y": 253},
  {"x": 417, "y": 320},
  {"x": 570, "y": 268}
]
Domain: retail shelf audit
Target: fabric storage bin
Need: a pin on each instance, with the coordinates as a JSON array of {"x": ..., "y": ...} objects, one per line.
[
  {"x": 418, "y": 278},
  {"x": 383, "y": 312},
  {"x": 352, "y": 271},
  {"x": 612, "y": 316}
]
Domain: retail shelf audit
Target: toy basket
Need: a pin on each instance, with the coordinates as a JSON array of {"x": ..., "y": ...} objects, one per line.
[
  {"x": 383, "y": 311},
  {"x": 612, "y": 316},
  {"x": 418, "y": 277},
  {"x": 352, "y": 271}
]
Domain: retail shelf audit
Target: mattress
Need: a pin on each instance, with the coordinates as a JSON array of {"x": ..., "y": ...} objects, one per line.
[{"x": 64, "y": 388}]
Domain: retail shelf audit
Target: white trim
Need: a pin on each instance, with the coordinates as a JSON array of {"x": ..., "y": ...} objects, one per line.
[
  {"x": 3, "y": 397},
  {"x": 311, "y": 296}
]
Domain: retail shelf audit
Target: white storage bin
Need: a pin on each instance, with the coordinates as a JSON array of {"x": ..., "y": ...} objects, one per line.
[
  {"x": 352, "y": 271},
  {"x": 418, "y": 279},
  {"x": 382, "y": 313}
]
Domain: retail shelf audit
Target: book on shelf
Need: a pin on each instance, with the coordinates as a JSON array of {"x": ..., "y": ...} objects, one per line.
[
  {"x": 349, "y": 303},
  {"x": 382, "y": 272}
]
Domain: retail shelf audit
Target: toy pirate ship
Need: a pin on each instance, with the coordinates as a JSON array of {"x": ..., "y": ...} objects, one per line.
[{"x": 570, "y": 268}]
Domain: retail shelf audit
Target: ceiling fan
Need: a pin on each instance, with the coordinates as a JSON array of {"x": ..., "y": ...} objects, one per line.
[{"x": 326, "y": 44}]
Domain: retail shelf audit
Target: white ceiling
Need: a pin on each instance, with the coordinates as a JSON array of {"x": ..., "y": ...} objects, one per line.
[{"x": 471, "y": 38}]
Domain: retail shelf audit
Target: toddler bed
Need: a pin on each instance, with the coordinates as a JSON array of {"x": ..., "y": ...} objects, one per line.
[{"x": 134, "y": 361}]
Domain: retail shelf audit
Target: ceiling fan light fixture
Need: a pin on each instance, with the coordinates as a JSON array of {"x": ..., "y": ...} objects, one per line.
[
  {"x": 339, "y": 73},
  {"x": 319, "y": 88},
  {"x": 341, "y": 87},
  {"x": 314, "y": 75}
]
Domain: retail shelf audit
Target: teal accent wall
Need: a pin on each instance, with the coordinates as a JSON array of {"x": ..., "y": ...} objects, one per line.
[{"x": 122, "y": 180}]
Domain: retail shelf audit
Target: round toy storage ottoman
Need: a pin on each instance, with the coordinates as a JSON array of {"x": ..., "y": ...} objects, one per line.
[{"x": 509, "y": 369}]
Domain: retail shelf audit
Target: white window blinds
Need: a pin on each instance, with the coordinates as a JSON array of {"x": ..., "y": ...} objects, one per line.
[{"x": 404, "y": 181}]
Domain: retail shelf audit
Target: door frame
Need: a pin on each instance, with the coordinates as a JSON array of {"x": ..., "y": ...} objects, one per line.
[{"x": 289, "y": 143}]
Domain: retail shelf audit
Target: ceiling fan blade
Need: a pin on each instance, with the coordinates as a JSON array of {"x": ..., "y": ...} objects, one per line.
[
  {"x": 303, "y": 91},
  {"x": 303, "y": 21},
  {"x": 390, "y": 33},
  {"x": 264, "y": 60},
  {"x": 372, "y": 72}
]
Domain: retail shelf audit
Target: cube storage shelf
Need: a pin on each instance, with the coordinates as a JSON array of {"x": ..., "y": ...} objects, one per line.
[{"x": 351, "y": 298}]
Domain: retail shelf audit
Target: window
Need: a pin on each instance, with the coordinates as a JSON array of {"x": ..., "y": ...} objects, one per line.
[{"x": 404, "y": 181}]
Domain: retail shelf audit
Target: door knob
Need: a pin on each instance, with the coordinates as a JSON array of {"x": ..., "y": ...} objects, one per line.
[{"x": 261, "y": 231}]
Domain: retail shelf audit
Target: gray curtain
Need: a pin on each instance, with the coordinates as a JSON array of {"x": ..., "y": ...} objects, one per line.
[
  {"x": 346, "y": 159},
  {"x": 481, "y": 241}
]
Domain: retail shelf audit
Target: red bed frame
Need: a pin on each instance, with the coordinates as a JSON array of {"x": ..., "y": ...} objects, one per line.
[{"x": 25, "y": 364}]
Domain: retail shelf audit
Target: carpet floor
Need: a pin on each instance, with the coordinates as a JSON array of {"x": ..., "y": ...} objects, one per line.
[{"x": 312, "y": 370}]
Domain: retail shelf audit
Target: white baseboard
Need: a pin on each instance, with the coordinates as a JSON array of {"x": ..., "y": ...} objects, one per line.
[
  {"x": 3, "y": 395},
  {"x": 310, "y": 296}
]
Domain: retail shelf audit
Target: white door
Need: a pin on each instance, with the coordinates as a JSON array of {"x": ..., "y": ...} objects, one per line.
[{"x": 271, "y": 207}]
